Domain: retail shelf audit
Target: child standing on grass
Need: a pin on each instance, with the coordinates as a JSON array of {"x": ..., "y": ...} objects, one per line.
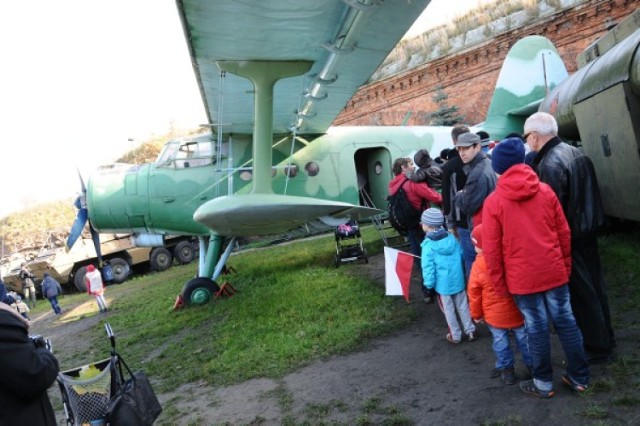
[
  {"x": 442, "y": 270},
  {"x": 500, "y": 313},
  {"x": 95, "y": 286}
]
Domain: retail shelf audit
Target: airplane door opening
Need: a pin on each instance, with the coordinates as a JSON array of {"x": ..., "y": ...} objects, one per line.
[{"x": 373, "y": 168}]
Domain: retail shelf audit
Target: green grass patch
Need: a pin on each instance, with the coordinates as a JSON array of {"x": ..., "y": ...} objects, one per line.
[{"x": 292, "y": 306}]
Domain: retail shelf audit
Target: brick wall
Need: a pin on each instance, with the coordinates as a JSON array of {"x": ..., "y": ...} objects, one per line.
[{"x": 468, "y": 77}]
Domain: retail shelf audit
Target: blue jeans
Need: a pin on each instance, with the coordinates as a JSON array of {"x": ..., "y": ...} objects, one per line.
[
  {"x": 468, "y": 251},
  {"x": 54, "y": 304},
  {"x": 554, "y": 303},
  {"x": 502, "y": 346}
]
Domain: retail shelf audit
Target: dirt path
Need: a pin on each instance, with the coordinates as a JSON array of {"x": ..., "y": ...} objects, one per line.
[{"x": 412, "y": 377}]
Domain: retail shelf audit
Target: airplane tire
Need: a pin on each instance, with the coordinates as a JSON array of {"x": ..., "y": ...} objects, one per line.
[
  {"x": 184, "y": 252},
  {"x": 160, "y": 259},
  {"x": 199, "y": 291},
  {"x": 120, "y": 269},
  {"x": 78, "y": 279}
]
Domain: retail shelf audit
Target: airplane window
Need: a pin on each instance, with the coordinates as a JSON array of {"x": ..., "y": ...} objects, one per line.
[
  {"x": 291, "y": 170},
  {"x": 312, "y": 168},
  {"x": 377, "y": 168},
  {"x": 246, "y": 175}
]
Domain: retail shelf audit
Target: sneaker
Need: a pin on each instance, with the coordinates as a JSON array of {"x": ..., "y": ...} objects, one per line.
[
  {"x": 450, "y": 339},
  {"x": 528, "y": 387},
  {"x": 573, "y": 385},
  {"x": 471, "y": 337},
  {"x": 508, "y": 376}
]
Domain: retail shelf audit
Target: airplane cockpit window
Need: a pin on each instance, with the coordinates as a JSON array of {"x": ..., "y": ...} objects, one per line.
[{"x": 182, "y": 155}]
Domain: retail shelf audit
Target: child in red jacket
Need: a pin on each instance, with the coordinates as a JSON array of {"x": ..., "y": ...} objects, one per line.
[{"x": 500, "y": 313}]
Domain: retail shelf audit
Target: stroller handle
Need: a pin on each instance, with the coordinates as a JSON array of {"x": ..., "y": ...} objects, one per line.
[{"x": 110, "y": 334}]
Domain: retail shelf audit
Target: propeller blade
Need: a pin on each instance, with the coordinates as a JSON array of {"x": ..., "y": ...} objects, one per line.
[
  {"x": 82, "y": 185},
  {"x": 77, "y": 228},
  {"x": 95, "y": 237}
]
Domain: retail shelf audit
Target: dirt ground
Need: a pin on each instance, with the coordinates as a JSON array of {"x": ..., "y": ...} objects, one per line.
[{"x": 411, "y": 377}]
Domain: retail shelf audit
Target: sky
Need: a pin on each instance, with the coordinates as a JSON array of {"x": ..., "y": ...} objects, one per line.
[{"x": 82, "y": 82}]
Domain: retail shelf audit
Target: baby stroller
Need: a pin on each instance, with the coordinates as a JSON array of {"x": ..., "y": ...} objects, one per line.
[
  {"x": 347, "y": 250},
  {"x": 89, "y": 391}
]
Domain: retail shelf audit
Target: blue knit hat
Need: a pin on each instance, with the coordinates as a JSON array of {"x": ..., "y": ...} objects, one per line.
[
  {"x": 507, "y": 153},
  {"x": 432, "y": 217}
]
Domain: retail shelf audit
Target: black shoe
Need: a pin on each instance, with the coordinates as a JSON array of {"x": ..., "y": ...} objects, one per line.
[
  {"x": 530, "y": 389},
  {"x": 508, "y": 376}
]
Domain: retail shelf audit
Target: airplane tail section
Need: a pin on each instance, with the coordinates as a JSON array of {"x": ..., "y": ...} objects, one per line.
[{"x": 532, "y": 68}]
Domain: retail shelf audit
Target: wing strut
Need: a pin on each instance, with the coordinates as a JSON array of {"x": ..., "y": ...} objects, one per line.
[{"x": 263, "y": 75}]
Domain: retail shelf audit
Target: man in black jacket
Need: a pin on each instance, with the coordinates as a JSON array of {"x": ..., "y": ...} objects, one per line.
[
  {"x": 453, "y": 180},
  {"x": 571, "y": 175},
  {"x": 28, "y": 370}
]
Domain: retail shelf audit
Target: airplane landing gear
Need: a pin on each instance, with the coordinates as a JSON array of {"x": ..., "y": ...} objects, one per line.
[{"x": 199, "y": 291}]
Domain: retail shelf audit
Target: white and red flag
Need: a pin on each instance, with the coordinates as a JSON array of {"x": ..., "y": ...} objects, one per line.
[{"x": 397, "y": 272}]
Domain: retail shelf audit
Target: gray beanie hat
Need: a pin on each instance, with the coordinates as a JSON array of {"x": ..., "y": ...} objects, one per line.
[{"x": 432, "y": 217}]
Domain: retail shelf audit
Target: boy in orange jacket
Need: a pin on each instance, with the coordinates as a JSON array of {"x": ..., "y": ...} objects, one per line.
[{"x": 500, "y": 313}]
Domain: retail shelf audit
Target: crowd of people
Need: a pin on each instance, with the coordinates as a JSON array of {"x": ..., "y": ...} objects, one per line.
[{"x": 507, "y": 238}]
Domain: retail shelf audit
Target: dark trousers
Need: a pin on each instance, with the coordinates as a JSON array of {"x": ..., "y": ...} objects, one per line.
[{"x": 589, "y": 300}]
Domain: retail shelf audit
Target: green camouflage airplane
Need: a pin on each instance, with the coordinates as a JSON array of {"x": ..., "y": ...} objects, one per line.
[{"x": 273, "y": 76}]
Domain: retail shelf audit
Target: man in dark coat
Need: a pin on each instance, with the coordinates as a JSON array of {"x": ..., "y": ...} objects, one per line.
[
  {"x": 571, "y": 175},
  {"x": 453, "y": 180},
  {"x": 27, "y": 372}
]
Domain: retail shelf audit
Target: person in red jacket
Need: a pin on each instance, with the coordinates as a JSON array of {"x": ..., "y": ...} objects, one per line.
[
  {"x": 499, "y": 313},
  {"x": 419, "y": 195},
  {"x": 527, "y": 247},
  {"x": 95, "y": 286}
]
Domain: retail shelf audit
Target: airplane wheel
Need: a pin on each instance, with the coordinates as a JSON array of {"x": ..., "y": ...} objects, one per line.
[
  {"x": 199, "y": 291},
  {"x": 120, "y": 269},
  {"x": 160, "y": 259},
  {"x": 78, "y": 279},
  {"x": 184, "y": 252}
]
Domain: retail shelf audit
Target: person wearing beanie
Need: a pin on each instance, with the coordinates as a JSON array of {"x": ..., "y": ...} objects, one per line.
[
  {"x": 442, "y": 270},
  {"x": 571, "y": 175},
  {"x": 499, "y": 313},
  {"x": 427, "y": 172},
  {"x": 526, "y": 244},
  {"x": 507, "y": 153},
  {"x": 481, "y": 180}
]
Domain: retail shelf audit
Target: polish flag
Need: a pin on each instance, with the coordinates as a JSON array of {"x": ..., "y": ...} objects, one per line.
[{"x": 397, "y": 272}]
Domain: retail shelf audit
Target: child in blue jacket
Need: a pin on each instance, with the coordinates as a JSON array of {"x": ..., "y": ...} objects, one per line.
[{"x": 442, "y": 270}]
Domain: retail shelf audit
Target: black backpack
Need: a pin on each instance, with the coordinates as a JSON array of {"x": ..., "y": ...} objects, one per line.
[{"x": 402, "y": 215}]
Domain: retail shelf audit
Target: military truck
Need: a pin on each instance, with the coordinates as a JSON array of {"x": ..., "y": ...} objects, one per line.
[{"x": 118, "y": 249}]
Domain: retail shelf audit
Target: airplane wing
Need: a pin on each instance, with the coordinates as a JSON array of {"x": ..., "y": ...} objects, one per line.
[
  {"x": 268, "y": 214},
  {"x": 345, "y": 40}
]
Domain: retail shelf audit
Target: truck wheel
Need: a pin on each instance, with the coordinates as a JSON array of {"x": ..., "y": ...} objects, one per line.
[
  {"x": 160, "y": 259},
  {"x": 184, "y": 252},
  {"x": 199, "y": 291},
  {"x": 120, "y": 268},
  {"x": 78, "y": 279}
]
